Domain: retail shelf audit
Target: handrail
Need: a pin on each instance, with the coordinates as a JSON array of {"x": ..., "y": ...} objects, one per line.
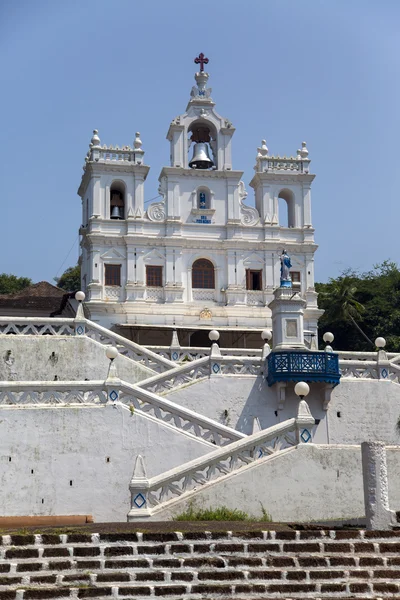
[
  {"x": 181, "y": 417},
  {"x": 146, "y": 494},
  {"x": 16, "y": 393},
  {"x": 178, "y": 376},
  {"x": 132, "y": 350}
]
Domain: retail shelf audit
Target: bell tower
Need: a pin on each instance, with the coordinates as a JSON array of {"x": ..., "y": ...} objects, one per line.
[{"x": 201, "y": 161}]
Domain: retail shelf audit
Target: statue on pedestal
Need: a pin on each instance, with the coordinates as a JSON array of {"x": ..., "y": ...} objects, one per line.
[{"x": 286, "y": 265}]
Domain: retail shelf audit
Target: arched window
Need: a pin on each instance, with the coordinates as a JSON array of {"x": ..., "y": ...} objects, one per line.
[
  {"x": 286, "y": 208},
  {"x": 203, "y": 198},
  {"x": 117, "y": 200},
  {"x": 203, "y": 274}
]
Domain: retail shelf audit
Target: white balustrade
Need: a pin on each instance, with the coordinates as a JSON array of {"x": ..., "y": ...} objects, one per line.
[
  {"x": 16, "y": 393},
  {"x": 127, "y": 348},
  {"x": 240, "y": 365},
  {"x": 178, "y": 377},
  {"x": 255, "y": 298},
  {"x": 112, "y": 293},
  {"x": 189, "y": 353},
  {"x": 155, "y": 294},
  {"x": 178, "y": 416},
  {"x": 149, "y": 496},
  {"x": 36, "y": 326},
  {"x": 203, "y": 295}
]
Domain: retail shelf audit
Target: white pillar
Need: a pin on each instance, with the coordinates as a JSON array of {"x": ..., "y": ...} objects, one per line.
[{"x": 376, "y": 491}]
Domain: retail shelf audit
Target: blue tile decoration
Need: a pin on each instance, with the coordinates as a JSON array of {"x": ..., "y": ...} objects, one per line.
[
  {"x": 113, "y": 395},
  {"x": 175, "y": 356},
  {"x": 384, "y": 373},
  {"x": 139, "y": 500},
  {"x": 216, "y": 368},
  {"x": 305, "y": 436},
  {"x": 80, "y": 330},
  {"x": 260, "y": 453}
]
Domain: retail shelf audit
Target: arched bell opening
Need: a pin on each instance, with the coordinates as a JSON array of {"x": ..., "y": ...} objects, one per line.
[
  {"x": 286, "y": 208},
  {"x": 117, "y": 200},
  {"x": 203, "y": 137}
]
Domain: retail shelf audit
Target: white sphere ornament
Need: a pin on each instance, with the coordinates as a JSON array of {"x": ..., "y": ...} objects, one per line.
[
  {"x": 266, "y": 335},
  {"x": 112, "y": 353},
  {"x": 328, "y": 337},
  {"x": 380, "y": 342},
  {"x": 214, "y": 335},
  {"x": 301, "y": 389},
  {"x": 80, "y": 296}
]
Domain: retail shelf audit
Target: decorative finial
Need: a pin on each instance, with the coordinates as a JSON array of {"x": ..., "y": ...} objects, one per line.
[
  {"x": 95, "y": 141},
  {"x": 304, "y": 151},
  {"x": 263, "y": 150},
  {"x": 138, "y": 142},
  {"x": 201, "y": 60}
]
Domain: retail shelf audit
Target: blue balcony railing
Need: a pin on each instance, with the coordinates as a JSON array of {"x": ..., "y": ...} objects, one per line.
[{"x": 303, "y": 366}]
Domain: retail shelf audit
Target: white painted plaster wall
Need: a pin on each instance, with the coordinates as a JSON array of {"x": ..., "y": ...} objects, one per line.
[
  {"x": 30, "y": 358},
  {"x": 305, "y": 483},
  {"x": 50, "y": 447},
  {"x": 369, "y": 409}
]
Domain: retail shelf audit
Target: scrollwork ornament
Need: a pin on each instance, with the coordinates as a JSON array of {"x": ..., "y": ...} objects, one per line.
[
  {"x": 156, "y": 212},
  {"x": 249, "y": 215}
]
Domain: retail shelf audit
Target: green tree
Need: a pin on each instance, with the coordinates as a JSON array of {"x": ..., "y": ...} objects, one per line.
[
  {"x": 70, "y": 280},
  {"x": 341, "y": 304},
  {"x": 377, "y": 313},
  {"x": 10, "y": 284}
]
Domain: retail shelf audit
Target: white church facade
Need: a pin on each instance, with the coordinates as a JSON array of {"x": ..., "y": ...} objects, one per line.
[{"x": 199, "y": 257}]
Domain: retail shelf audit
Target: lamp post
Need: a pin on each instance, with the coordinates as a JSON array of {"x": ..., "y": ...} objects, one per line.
[{"x": 266, "y": 335}]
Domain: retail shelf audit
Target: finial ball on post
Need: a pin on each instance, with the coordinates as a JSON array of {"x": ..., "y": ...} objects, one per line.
[
  {"x": 112, "y": 353},
  {"x": 301, "y": 389},
  {"x": 380, "y": 342},
  {"x": 266, "y": 335},
  {"x": 328, "y": 337},
  {"x": 80, "y": 296},
  {"x": 214, "y": 335}
]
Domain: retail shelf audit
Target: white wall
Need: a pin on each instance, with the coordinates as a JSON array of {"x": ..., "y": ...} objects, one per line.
[
  {"x": 306, "y": 483},
  {"x": 30, "y": 358},
  {"x": 72, "y": 444},
  {"x": 369, "y": 409}
]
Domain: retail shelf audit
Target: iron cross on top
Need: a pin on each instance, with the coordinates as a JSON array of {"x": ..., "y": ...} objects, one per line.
[{"x": 201, "y": 60}]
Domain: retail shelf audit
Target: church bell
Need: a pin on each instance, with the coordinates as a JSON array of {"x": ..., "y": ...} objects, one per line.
[
  {"x": 116, "y": 212},
  {"x": 201, "y": 158}
]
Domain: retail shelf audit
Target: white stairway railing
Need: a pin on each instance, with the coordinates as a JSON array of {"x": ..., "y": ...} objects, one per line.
[
  {"x": 200, "y": 369},
  {"x": 36, "y": 326},
  {"x": 127, "y": 348},
  {"x": 150, "y": 496},
  {"x": 85, "y": 327},
  {"x": 69, "y": 393},
  {"x": 189, "y": 353}
]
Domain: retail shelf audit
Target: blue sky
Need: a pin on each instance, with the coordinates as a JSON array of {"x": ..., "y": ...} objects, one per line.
[{"x": 322, "y": 71}]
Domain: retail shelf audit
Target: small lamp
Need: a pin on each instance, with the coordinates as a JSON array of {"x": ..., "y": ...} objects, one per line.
[
  {"x": 301, "y": 389},
  {"x": 328, "y": 337},
  {"x": 112, "y": 353},
  {"x": 380, "y": 342},
  {"x": 214, "y": 335},
  {"x": 266, "y": 335}
]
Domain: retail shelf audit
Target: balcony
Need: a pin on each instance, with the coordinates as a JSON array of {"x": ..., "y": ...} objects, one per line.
[{"x": 295, "y": 365}]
